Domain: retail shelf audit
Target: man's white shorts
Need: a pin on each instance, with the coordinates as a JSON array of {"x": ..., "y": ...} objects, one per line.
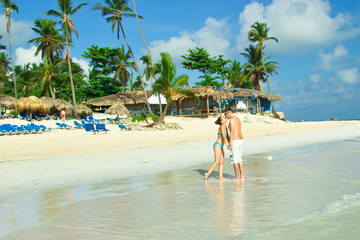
[{"x": 237, "y": 150}]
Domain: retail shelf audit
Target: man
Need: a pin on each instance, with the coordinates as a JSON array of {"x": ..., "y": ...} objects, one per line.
[{"x": 235, "y": 143}]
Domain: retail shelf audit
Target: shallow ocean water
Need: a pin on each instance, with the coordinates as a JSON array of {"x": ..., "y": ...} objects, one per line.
[{"x": 310, "y": 192}]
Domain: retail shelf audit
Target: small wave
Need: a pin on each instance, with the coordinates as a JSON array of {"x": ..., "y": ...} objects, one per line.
[
  {"x": 301, "y": 226},
  {"x": 345, "y": 202}
]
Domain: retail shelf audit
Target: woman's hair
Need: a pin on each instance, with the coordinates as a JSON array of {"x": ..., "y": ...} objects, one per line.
[{"x": 218, "y": 121}]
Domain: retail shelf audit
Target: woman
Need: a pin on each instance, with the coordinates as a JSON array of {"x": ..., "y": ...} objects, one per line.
[{"x": 219, "y": 148}]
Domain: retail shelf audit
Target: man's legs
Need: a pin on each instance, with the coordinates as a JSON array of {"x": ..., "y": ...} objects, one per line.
[
  {"x": 237, "y": 156},
  {"x": 236, "y": 169}
]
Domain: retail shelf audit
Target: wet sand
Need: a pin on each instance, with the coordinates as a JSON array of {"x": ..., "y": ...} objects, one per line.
[
  {"x": 273, "y": 202},
  {"x": 71, "y": 157}
]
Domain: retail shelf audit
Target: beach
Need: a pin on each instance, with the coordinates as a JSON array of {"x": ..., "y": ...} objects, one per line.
[
  {"x": 150, "y": 184},
  {"x": 65, "y": 157}
]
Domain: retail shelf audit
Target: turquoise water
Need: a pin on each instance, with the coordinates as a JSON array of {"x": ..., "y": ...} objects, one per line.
[{"x": 310, "y": 192}]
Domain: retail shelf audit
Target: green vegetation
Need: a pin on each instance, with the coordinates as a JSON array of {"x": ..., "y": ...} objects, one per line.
[
  {"x": 143, "y": 117},
  {"x": 167, "y": 83},
  {"x": 115, "y": 70},
  {"x": 211, "y": 68},
  {"x": 9, "y": 6}
]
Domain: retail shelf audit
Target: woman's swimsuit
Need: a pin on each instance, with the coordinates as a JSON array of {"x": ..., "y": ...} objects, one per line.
[{"x": 217, "y": 143}]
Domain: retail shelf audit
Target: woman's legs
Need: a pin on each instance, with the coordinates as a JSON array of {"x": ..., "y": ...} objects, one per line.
[
  {"x": 221, "y": 165},
  {"x": 217, "y": 155}
]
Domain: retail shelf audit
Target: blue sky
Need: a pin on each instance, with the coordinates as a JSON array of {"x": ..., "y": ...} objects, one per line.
[{"x": 318, "y": 43}]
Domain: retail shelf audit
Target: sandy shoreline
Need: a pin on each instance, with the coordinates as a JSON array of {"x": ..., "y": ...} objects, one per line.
[{"x": 70, "y": 157}]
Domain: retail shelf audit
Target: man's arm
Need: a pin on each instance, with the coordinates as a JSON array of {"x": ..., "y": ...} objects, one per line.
[{"x": 232, "y": 131}]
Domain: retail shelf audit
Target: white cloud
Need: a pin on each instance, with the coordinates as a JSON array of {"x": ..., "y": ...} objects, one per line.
[
  {"x": 83, "y": 64},
  {"x": 25, "y": 56},
  {"x": 214, "y": 37},
  {"x": 328, "y": 61},
  {"x": 315, "y": 78},
  {"x": 298, "y": 24},
  {"x": 350, "y": 76},
  {"x": 20, "y": 31}
]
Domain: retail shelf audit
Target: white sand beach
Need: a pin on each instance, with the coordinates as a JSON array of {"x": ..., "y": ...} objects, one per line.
[{"x": 36, "y": 162}]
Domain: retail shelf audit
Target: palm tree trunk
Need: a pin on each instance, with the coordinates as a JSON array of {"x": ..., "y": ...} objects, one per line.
[
  {"x": 267, "y": 78},
  {"x": 71, "y": 80},
  {"x": 137, "y": 69},
  {"x": 148, "y": 50},
  {"x": 162, "y": 118},
  {"x": 11, "y": 56}
]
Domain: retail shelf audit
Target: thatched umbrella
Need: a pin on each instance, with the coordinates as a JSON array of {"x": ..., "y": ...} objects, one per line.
[
  {"x": 81, "y": 110},
  {"x": 7, "y": 101},
  {"x": 31, "y": 104},
  {"x": 118, "y": 109},
  {"x": 61, "y": 104},
  {"x": 50, "y": 102}
]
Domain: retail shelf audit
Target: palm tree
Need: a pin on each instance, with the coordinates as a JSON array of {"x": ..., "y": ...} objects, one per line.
[
  {"x": 148, "y": 68},
  {"x": 4, "y": 62},
  {"x": 49, "y": 40},
  {"x": 121, "y": 60},
  {"x": 255, "y": 69},
  {"x": 10, "y": 6},
  {"x": 66, "y": 10},
  {"x": 117, "y": 9},
  {"x": 150, "y": 60},
  {"x": 234, "y": 75},
  {"x": 259, "y": 33},
  {"x": 42, "y": 76},
  {"x": 4, "y": 66},
  {"x": 168, "y": 84},
  {"x": 2, "y": 47}
]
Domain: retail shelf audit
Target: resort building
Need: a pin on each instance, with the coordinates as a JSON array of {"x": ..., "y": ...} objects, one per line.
[{"x": 211, "y": 100}]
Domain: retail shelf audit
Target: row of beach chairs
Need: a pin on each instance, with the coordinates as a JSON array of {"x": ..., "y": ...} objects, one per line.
[
  {"x": 10, "y": 129},
  {"x": 90, "y": 127}
]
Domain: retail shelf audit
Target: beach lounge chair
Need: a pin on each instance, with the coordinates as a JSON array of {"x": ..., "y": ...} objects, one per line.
[
  {"x": 110, "y": 120},
  {"x": 79, "y": 125},
  {"x": 35, "y": 128},
  {"x": 123, "y": 127},
  {"x": 23, "y": 116},
  {"x": 10, "y": 129},
  {"x": 91, "y": 119},
  {"x": 63, "y": 126},
  {"x": 89, "y": 128},
  {"x": 101, "y": 127}
]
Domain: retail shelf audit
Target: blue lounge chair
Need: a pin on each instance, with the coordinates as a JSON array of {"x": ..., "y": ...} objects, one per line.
[
  {"x": 35, "y": 128},
  {"x": 79, "y": 125},
  {"x": 89, "y": 128},
  {"x": 123, "y": 127},
  {"x": 23, "y": 116},
  {"x": 91, "y": 119},
  {"x": 10, "y": 129},
  {"x": 101, "y": 127},
  {"x": 63, "y": 126}
]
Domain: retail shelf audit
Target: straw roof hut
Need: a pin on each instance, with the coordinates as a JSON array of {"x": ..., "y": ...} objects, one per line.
[
  {"x": 50, "y": 102},
  {"x": 131, "y": 97},
  {"x": 268, "y": 96},
  {"x": 31, "y": 104},
  {"x": 62, "y": 104},
  {"x": 81, "y": 110},
  {"x": 207, "y": 92},
  {"x": 7, "y": 101},
  {"x": 118, "y": 109}
]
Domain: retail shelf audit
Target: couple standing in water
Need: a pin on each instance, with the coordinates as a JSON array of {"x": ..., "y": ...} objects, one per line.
[{"x": 232, "y": 140}]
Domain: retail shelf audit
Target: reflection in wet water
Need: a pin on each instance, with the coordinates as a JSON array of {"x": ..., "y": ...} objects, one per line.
[{"x": 180, "y": 205}]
